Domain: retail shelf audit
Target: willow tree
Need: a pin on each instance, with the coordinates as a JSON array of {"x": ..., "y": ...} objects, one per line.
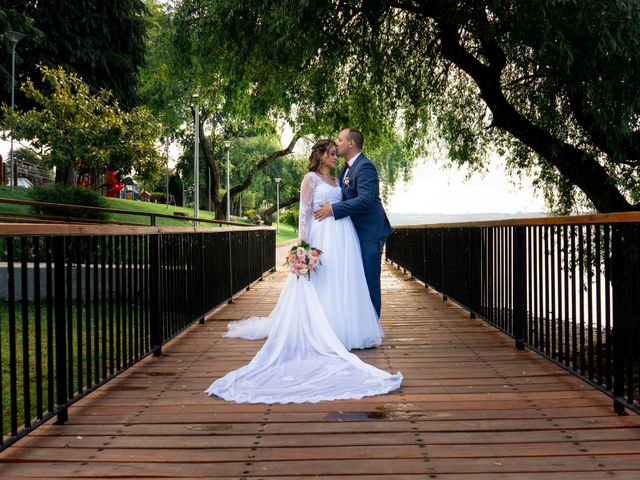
[
  {"x": 555, "y": 84},
  {"x": 173, "y": 76}
]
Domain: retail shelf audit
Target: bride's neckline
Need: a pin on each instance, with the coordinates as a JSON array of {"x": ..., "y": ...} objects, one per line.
[{"x": 323, "y": 181}]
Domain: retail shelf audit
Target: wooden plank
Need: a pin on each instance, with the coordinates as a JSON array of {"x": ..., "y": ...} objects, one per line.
[{"x": 471, "y": 408}]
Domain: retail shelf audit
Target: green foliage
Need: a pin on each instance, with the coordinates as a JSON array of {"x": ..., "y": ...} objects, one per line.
[
  {"x": 554, "y": 84},
  {"x": 103, "y": 42},
  {"x": 69, "y": 195},
  {"x": 162, "y": 88},
  {"x": 79, "y": 130},
  {"x": 287, "y": 68},
  {"x": 290, "y": 217}
]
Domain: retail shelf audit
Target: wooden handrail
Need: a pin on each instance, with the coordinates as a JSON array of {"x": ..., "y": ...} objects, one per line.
[
  {"x": 57, "y": 229},
  {"x": 115, "y": 210},
  {"x": 34, "y": 217},
  {"x": 622, "y": 217}
]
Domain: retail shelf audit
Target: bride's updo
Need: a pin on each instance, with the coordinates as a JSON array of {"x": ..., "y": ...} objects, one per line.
[{"x": 317, "y": 151}]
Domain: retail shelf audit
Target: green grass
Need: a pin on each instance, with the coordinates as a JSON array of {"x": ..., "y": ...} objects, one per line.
[
  {"x": 119, "y": 204},
  {"x": 94, "y": 328},
  {"x": 16, "y": 194},
  {"x": 148, "y": 207},
  {"x": 286, "y": 233}
]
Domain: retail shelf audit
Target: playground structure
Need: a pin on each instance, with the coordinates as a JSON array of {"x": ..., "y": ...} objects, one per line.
[{"x": 115, "y": 184}]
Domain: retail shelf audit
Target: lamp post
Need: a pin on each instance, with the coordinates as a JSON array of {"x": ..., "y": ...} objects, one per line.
[
  {"x": 196, "y": 159},
  {"x": 14, "y": 38},
  {"x": 227, "y": 144},
  {"x": 278, "y": 203},
  {"x": 166, "y": 173}
]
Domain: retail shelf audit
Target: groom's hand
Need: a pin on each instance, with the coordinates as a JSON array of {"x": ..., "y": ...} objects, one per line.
[{"x": 323, "y": 211}]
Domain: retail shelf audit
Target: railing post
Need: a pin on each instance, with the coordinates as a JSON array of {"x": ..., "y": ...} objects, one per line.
[
  {"x": 261, "y": 232},
  {"x": 230, "y": 268},
  {"x": 200, "y": 279},
  {"x": 620, "y": 330},
  {"x": 471, "y": 284},
  {"x": 60, "y": 329},
  {"x": 442, "y": 267},
  {"x": 519, "y": 286},
  {"x": 155, "y": 297}
]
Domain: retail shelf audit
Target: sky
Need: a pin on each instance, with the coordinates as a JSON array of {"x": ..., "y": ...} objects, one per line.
[{"x": 435, "y": 188}]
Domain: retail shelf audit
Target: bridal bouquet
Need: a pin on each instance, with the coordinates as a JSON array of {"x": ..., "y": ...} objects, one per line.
[{"x": 303, "y": 259}]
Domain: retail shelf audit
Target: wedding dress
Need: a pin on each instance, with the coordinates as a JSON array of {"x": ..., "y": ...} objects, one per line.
[{"x": 305, "y": 357}]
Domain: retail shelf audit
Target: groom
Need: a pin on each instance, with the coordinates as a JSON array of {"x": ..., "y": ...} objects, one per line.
[{"x": 361, "y": 201}]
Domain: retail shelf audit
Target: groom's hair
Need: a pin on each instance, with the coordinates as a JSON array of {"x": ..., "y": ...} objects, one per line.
[{"x": 356, "y": 136}]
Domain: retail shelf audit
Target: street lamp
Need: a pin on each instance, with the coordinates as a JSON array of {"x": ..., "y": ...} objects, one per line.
[
  {"x": 196, "y": 159},
  {"x": 14, "y": 38},
  {"x": 278, "y": 203},
  {"x": 227, "y": 144},
  {"x": 166, "y": 173}
]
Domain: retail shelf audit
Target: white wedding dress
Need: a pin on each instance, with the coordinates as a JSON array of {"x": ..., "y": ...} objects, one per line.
[{"x": 315, "y": 322}]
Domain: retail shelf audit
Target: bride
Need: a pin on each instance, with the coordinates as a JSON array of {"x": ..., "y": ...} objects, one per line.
[{"x": 305, "y": 357}]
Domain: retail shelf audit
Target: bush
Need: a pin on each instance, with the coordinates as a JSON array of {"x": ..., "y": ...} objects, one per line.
[
  {"x": 290, "y": 217},
  {"x": 71, "y": 196}
]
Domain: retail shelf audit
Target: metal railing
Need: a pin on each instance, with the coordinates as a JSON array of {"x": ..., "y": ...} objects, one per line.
[
  {"x": 80, "y": 304},
  {"x": 566, "y": 287}
]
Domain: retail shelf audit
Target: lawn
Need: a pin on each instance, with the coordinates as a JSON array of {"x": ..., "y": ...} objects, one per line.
[
  {"x": 286, "y": 232},
  {"x": 38, "y": 354}
]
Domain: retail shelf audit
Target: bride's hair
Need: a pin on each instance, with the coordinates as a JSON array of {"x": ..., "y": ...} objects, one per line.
[{"x": 318, "y": 149}]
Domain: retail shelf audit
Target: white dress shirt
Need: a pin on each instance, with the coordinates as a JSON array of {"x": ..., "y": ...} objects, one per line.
[{"x": 350, "y": 163}]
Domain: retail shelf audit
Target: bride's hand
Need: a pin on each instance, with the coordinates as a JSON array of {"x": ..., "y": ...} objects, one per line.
[{"x": 323, "y": 211}]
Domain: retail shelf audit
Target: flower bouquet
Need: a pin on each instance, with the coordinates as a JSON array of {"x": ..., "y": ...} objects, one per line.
[{"x": 303, "y": 259}]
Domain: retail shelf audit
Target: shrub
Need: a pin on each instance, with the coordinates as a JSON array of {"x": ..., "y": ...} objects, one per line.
[
  {"x": 71, "y": 196},
  {"x": 290, "y": 217}
]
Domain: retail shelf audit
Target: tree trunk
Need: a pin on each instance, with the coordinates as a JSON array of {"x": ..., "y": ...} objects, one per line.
[
  {"x": 65, "y": 175},
  {"x": 261, "y": 165},
  {"x": 219, "y": 205},
  {"x": 267, "y": 214}
]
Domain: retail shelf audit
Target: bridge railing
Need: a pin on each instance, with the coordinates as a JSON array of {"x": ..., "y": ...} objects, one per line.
[
  {"x": 81, "y": 303},
  {"x": 566, "y": 287}
]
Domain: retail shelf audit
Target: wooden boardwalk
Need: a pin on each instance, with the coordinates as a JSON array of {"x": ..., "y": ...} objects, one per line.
[{"x": 472, "y": 407}]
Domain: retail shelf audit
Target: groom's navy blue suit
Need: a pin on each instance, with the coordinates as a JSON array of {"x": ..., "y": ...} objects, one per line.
[{"x": 361, "y": 201}]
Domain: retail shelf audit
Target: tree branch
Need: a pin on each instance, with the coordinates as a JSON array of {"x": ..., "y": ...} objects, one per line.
[
  {"x": 262, "y": 164},
  {"x": 580, "y": 168},
  {"x": 266, "y": 215},
  {"x": 604, "y": 141}
]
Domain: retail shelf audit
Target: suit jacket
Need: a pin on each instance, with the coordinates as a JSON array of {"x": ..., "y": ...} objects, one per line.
[{"x": 361, "y": 200}]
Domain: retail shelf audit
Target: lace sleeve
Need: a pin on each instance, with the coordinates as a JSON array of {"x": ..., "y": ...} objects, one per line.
[{"x": 305, "y": 215}]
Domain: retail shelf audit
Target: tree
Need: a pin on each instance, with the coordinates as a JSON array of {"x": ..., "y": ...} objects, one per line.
[
  {"x": 173, "y": 76},
  {"x": 103, "y": 42},
  {"x": 79, "y": 131},
  {"x": 290, "y": 218},
  {"x": 290, "y": 171},
  {"x": 554, "y": 83},
  {"x": 285, "y": 82}
]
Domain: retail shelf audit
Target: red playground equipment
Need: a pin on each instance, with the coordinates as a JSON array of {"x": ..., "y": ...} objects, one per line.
[{"x": 115, "y": 182}]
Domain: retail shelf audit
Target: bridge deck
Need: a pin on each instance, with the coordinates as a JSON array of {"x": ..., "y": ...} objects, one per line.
[{"x": 472, "y": 407}]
